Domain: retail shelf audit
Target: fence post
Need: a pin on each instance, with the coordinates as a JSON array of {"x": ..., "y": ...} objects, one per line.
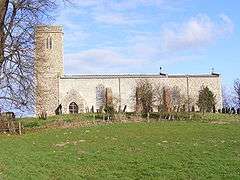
[
  {"x": 148, "y": 117},
  {"x": 19, "y": 128},
  {"x": 8, "y": 127}
]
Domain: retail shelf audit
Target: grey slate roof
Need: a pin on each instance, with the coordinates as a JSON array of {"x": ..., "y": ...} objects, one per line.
[{"x": 112, "y": 76}]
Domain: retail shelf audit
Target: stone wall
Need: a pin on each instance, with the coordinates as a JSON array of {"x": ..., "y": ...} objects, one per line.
[{"x": 48, "y": 67}]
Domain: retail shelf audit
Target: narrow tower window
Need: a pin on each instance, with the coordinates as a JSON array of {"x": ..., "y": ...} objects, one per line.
[{"x": 49, "y": 43}]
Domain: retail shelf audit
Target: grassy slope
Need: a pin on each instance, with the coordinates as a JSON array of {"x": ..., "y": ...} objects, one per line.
[
  {"x": 37, "y": 123},
  {"x": 184, "y": 150}
]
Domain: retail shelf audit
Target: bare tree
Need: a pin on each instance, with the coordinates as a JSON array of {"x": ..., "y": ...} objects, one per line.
[
  {"x": 144, "y": 96},
  {"x": 18, "y": 19},
  {"x": 236, "y": 88},
  {"x": 3, "y": 10},
  {"x": 158, "y": 97},
  {"x": 176, "y": 98},
  {"x": 227, "y": 98},
  {"x": 100, "y": 97}
]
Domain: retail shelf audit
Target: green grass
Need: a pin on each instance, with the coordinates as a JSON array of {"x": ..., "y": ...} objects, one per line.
[
  {"x": 160, "y": 150},
  {"x": 40, "y": 123},
  {"x": 36, "y": 122}
]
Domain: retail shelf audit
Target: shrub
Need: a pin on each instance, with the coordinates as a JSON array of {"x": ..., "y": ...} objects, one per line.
[
  {"x": 174, "y": 116},
  {"x": 32, "y": 124},
  {"x": 233, "y": 111},
  {"x": 144, "y": 96},
  {"x": 43, "y": 115},
  {"x": 206, "y": 100},
  {"x": 238, "y": 111},
  {"x": 110, "y": 111}
]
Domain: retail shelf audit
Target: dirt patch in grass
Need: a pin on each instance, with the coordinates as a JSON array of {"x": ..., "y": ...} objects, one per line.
[
  {"x": 66, "y": 143},
  {"x": 219, "y": 122}
]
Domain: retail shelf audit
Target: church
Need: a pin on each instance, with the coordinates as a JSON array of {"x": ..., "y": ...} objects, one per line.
[{"x": 82, "y": 93}]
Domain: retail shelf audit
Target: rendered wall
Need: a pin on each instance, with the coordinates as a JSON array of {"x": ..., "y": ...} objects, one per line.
[{"x": 124, "y": 89}]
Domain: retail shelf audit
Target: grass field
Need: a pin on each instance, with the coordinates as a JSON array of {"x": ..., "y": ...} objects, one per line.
[{"x": 156, "y": 150}]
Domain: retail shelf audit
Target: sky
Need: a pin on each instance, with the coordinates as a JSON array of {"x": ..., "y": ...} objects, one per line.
[{"x": 139, "y": 36}]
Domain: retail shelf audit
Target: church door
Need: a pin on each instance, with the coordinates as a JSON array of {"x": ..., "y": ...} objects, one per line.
[{"x": 73, "y": 108}]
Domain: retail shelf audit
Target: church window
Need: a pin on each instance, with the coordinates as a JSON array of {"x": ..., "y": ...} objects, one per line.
[
  {"x": 73, "y": 108},
  {"x": 100, "y": 96},
  {"x": 49, "y": 43}
]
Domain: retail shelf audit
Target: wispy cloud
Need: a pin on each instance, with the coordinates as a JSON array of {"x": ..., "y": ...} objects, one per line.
[
  {"x": 100, "y": 61},
  {"x": 121, "y": 4},
  {"x": 197, "y": 32},
  {"x": 108, "y": 36},
  {"x": 113, "y": 19},
  {"x": 120, "y": 12}
]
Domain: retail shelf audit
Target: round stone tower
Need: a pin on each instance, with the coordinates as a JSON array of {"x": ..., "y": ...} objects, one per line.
[{"x": 48, "y": 67}]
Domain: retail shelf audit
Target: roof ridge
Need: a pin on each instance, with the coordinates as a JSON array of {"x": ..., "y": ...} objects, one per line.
[{"x": 135, "y": 75}]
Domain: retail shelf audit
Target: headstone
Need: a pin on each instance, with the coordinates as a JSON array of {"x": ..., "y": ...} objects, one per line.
[
  {"x": 8, "y": 115},
  {"x": 58, "y": 111},
  {"x": 214, "y": 109},
  {"x": 124, "y": 109},
  {"x": 193, "y": 109},
  {"x": 229, "y": 111},
  {"x": 223, "y": 110}
]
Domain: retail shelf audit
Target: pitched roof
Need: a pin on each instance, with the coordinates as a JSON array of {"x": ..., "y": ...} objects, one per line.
[{"x": 112, "y": 76}]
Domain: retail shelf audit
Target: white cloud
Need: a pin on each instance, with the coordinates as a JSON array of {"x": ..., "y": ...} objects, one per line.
[
  {"x": 118, "y": 5},
  {"x": 146, "y": 49},
  {"x": 112, "y": 18},
  {"x": 196, "y": 32},
  {"x": 140, "y": 37},
  {"x": 85, "y": 3},
  {"x": 227, "y": 24},
  {"x": 121, "y": 12},
  {"x": 99, "y": 60}
]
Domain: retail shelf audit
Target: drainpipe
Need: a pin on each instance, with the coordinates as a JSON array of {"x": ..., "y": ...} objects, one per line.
[
  {"x": 187, "y": 76},
  {"x": 119, "y": 93}
]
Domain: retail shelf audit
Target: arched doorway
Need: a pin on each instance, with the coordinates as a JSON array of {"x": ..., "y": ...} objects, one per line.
[{"x": 73, "y": 108}]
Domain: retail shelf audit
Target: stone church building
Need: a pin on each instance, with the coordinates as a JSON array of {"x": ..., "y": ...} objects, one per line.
[{"x": 82, "y": 93}]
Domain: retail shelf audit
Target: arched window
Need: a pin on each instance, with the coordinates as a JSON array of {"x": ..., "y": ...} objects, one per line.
[
  {"x": 73, "y": 108},
  {"x": 100, "y": 96}
]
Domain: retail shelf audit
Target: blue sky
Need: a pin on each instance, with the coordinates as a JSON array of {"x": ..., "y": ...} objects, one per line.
[{"x": 139, "y": 36}]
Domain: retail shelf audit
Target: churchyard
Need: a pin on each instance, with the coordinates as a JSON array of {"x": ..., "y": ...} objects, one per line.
[{"x": 84, "y": 146}]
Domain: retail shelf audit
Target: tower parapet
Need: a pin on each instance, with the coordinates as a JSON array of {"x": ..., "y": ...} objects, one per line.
[{"x": 48, "y": 67}]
